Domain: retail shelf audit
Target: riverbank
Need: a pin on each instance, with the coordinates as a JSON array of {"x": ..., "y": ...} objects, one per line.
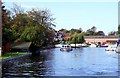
[{"x": 12, "y": 54}]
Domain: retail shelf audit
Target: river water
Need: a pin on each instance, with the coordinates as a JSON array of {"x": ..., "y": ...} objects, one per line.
[{"x": 86, "y": 61}]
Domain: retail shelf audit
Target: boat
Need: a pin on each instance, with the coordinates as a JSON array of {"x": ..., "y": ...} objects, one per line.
[
  {"x": 76, "y": 45},
  {"x": 111, "y": 47},
  {"x": 118, "y": 49},
  {"x": 93, "y": 45},
  {"x": 65, "y": 48},
  {"x": 104, "y": 45}
]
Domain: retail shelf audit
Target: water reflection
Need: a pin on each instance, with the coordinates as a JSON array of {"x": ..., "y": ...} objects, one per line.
[{"x": 53, "y": 62}]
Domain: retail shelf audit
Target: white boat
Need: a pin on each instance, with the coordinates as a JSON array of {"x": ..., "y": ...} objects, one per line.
[
  {"x": 76, "y": 45},
  {"x": 66, "y": 48},
  {"x": 118, "y": 49},
  {"x": 93, "y": 45},
  {"x": 111, "y": 48},
  {"x": 58, "y": 45}
]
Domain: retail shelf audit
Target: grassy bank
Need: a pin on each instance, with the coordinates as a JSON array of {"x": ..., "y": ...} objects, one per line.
[{"x": 12, "y": 54}]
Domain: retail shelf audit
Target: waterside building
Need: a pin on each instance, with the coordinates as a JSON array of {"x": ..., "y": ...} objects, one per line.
[{"x": 101, "y": 39}]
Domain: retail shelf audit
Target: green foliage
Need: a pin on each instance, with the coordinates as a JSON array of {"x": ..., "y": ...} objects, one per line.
[
  {"x": 7, "y": 36},
  {"x": 34, "y": 35},
  {"x": 34, "y": 26},
  {"x": 28, "y": 34},
  {"x": 6, "y": 19},
  {"x": 92, "y": 31},
  {"x": 75, "y": 31},
  {"x": 112, "y": 33},
  {"x": 77, "y": 38},
  {"x": 65, "y": 31},
  {"x": 12, "y": 54}
]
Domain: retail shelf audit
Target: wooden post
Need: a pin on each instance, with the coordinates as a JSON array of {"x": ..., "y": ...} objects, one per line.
[
  {"x": 75, "y": 43},
  {"x": 0, "y": 27},
  {"x": 0, "y": 37}
]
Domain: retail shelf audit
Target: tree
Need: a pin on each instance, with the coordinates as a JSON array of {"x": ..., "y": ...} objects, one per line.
[
  {"x": 77, "y": 38},
  {"x": 17, "y": 9},
  {"x": 112, "y": 33},
  {"x": 75, "y": 31},
  {"x": 0, "y": 29},
  {"x": 43, "y": 21},
  {"x": 92, "y": 31},
  {"x": 34, "y": 25},
  {"x": 100, "y": 33},
  {"x": 6, "y": 19},
  {"x": 7, "y": 35},
  {"x": 64, "y": 30}
]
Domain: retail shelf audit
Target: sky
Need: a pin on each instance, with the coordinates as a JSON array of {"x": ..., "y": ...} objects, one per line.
[{"x": 77, "y": 14}]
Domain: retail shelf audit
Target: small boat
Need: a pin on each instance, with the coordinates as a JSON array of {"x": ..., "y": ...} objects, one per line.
[
  {"x": 66, "y": 48},
  {"x": 111, "y": 48}
]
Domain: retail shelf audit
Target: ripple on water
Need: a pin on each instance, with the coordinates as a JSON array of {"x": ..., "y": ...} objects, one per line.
[
  {"x": 56, "y": 63},
  {"x": 24, "y": 65},
  {"x": 104, "y": 72},
  {"x": 10, "y": 74}
]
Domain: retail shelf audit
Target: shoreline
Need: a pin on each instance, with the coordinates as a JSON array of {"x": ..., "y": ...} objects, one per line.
[{"x": 23, "y": 55}]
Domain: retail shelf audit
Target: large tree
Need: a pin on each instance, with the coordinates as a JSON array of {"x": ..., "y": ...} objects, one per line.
[
  {"x": 6, "y": 23},
  {"x": 34, "y": 26}
]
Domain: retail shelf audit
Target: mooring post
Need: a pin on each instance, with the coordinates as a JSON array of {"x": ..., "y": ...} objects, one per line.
[
  {"x": 75, "y": 43},
  {"x": 0, "y": 27},
  {"x": 0, "y": 37}
]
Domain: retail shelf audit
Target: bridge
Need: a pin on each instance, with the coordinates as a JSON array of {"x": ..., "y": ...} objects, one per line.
[{"x": 101, "y": 39}]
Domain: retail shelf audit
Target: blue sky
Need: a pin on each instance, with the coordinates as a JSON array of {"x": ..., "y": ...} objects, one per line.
[{"x": 103, "y": 15}]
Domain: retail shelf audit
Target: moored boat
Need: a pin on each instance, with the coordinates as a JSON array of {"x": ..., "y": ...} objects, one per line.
[
  {"x": 118, "y": 49},
  {"x": 111, "y": 48}
]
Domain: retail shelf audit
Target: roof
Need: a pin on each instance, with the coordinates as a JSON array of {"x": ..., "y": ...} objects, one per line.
[{"x": 22, "y": 45}]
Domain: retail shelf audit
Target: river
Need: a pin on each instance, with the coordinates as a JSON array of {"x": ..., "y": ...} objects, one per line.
[{"x": 86, "y": 61}]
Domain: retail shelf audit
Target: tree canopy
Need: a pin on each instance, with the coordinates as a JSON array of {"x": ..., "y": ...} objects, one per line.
[{"x": 34, "y": 26}]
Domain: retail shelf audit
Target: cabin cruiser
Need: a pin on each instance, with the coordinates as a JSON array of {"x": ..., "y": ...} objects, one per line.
[
  {"x": 111, "y": 47},
  {"x": 65, "y": 48}
]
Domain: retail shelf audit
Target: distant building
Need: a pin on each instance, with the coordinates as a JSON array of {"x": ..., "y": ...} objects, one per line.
[{"x": 101, "y": 39}]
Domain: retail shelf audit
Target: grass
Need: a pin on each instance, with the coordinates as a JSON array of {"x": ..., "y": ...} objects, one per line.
[{"x": 12, "y": 54}]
